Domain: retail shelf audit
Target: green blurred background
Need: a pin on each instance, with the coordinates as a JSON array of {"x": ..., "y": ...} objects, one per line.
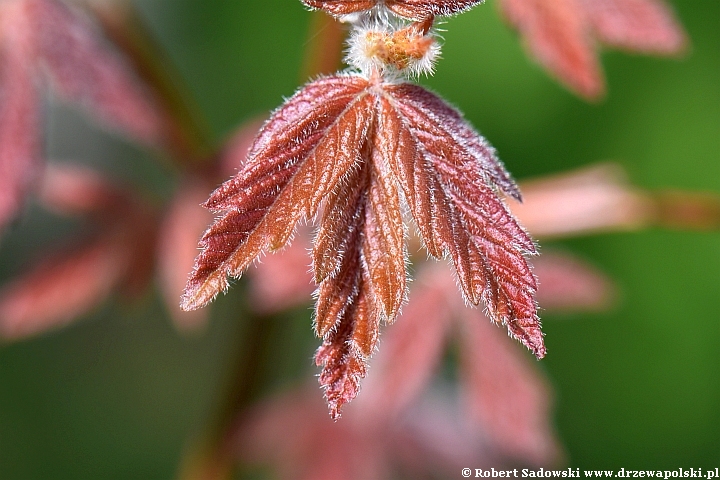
[{"x": 118, "y": 394}]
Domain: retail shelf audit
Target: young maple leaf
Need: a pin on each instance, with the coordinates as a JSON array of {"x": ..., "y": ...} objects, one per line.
[
  {"x": 562, "y": 34},
  {"x": 361, "y": 148},
  {"x": 413, "y": 9},
  {"x": 44, "y": 40}
]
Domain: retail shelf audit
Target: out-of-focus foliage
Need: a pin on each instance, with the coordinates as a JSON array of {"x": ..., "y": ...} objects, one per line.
[{"x": 116, "y": 395}]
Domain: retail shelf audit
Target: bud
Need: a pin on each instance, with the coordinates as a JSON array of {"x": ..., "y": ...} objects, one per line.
[{"x": 411, "y": 50}]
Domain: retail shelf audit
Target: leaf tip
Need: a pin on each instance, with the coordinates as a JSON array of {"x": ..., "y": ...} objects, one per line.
[
  {"x": 530, "y": 336},
  {"x": 201, "y": 291},
  {"x": 343, "y": 368}
]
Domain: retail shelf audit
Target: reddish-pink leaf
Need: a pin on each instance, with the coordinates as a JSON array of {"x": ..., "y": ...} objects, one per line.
[
  {"x": 341, "y": 286},
  {"x": 71, "y": 282},
  {"x": 447, "y": 185},
  {"x": 596, "y": 198},
  {"x": 75, "y": 190},
  {"x": 86, "y": 70},
  {"x": 419, "y": 9},
  {"x": 369, "y": 206},
  {"x": 384, "y": 252},
  {"x": 343, "y": 365},
  {"x": 45, "y": 33},
  {"x": 414, "y": 9},
  {"x": 505, "y": 394},
  {"x": 61, "y": 288},
  {"x": 19, "y": 124},
  {"x": 343, "y": 315},
  {"x": 343, "y": 353},
  {"x": 557, "y": 34},
  {"x": 356, "y": 145},
  {"x": 639, "y": 25},
  {"x": 341, "y": 7},
  {"x": 340, "y": 232},
  {"x": 599, "y": 198},
  {"x": 301, "y": 155},
  {"x": 563, "y": 35},
  {"x": 570, "y": 284}
]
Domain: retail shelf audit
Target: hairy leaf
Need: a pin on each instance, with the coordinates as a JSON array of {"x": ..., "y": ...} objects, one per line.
[
  {"x": 359, "y": 258},
  {"x": 447, "y": 185},
  {"x": 384, "y": 251},
  {"x": 343, "y": 365},
  {"x": 341, "y": 7},
  {"x": 345, "y": 347},
  {"x": 361, "y": 149},
  {"x": 344, "y": 317},
  {"x": 288, "y": 171},
  {"x": 419, "y": 9},
  {"x": 339, "y": 290},
  {"x": 414, "y": 9}
]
